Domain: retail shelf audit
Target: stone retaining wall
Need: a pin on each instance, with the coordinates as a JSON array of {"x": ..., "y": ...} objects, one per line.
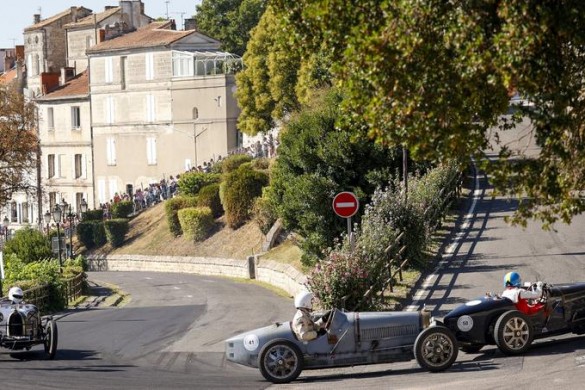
[{"x": 279, "y": 275}]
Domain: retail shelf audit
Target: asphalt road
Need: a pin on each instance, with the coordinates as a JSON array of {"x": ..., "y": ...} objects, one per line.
[{"x": 169, "y": 336}]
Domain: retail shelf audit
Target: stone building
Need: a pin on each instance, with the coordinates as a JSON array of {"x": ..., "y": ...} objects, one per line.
[{"x": 161, "y": 101}]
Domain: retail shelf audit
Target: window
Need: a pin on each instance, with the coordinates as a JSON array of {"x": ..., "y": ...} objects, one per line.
[
  {"x": 24, "y": 212},
  {"x": 149, "y": 66},
  {"x": 187, "y": 164},
  {"x": 151, "y": 150},
  {"x": 182, "y": 64},
  {"x": 78, "y": 161},
  {"x": 50, "y": 119},
  {"x": 75, "y": 118},
  {"x": 102, "y": 191},
  {"x": 110, "y": 110},
  {"x": 111, "y": 151},
  {"x": 37, "y": 65},
  {"x": 60, "y": 165},
  {"x": 195, "y": 113},
  {"x": 52, "y": 201},
  {"x": 51, "y": 166},
  {"x": 13, "y": 212},
  {"x": 150, "y": 108},
  {"x": 113, "y": 188},
  {"x": 109, "y": 69},
  {"x": 123, "y": 72},
  {"x": 88, "y": 42},
  {"x": 79, "y": 196}
]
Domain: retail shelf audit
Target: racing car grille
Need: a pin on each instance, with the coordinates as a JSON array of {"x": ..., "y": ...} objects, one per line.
[
  {"x": 15, "y": 325},
  {"x": 388, "y": 332}
]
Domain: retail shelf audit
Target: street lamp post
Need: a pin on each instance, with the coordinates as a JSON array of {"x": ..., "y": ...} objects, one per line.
[
  {"x": 47, "y": 218},
  {"x": 68, "y": 210},
  {"x": 57, "y": 219},
  {"x": 5, "y": 224}
]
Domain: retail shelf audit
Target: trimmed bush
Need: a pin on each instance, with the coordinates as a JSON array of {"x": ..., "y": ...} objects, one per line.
[
  {"x": 264, "y": 212},
  {"x": 172, "y": 206},
  {"x": 196, "y": 222},
  {"x": 93, "y": 215},
  {"x": 122, "y": 209},
  {"x": 260, "y": 164},
  {"x": 242, "y": 186},
  {"x": 233, "y": 162},
  {"x": 99, "y": 234},
  {"x": 116, "y": 230},
  {"x": 29, "y": 245},
  {"x": 191, "y": 183},
  {"x": 84, "y": 232},
  {"x": 209, "y": 197}
]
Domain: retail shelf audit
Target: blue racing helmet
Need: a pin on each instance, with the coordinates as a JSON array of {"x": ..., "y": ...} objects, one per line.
[{"x": 512, "y": 279}]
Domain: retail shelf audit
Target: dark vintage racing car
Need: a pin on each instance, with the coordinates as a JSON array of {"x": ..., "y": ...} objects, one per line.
[
  {"x": 495, "y": 320},
  {"x": 349, "y": 338},
  {"x": 22, "y": 327}
]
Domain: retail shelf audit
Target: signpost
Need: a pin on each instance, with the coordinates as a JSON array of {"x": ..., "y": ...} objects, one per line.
[{"x": 345, "y": 205}]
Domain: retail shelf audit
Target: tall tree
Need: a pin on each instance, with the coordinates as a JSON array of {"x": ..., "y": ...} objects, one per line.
[
  {"x": 229, "y": 21},
  {"x": 18, "y": 144},
  {"x": 435, "y": 76}
]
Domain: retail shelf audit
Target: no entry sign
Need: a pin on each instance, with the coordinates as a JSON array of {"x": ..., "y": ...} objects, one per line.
[{"x": 345, "y": 204}]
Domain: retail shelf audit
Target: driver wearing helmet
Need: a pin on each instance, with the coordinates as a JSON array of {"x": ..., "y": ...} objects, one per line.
[
  {"x": 15, "y": 295},
  {"x": 303, "y": 325},
  {"x": 520, "y": 296}
]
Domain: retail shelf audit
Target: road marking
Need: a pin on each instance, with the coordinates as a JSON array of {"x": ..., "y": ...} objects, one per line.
[{"x": 449, "y": 254}]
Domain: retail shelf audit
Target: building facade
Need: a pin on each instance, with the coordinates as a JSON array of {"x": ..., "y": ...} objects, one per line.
[{"x": 154, "y": 112}]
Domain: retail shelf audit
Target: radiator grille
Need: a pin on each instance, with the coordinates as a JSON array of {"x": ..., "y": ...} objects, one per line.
[{"x": 388, "y": 332}]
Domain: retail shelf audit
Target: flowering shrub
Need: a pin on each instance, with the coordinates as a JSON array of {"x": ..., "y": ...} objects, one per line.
[{"x": 342, "y": 275}]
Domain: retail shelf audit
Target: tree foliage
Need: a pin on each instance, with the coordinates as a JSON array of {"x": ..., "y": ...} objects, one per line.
[
  {"x": 29, "y": 245},
  {"x": 229, "y": 21},
  {"x": 18, "y": 144},
  {"x": 435, "y": 76}
]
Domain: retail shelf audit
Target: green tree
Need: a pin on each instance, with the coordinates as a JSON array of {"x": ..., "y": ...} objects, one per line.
[
  {"x": 317, "y": 160},
  {"x": 435, "y": 76},
  {"x": 229, "y": 21},
  {"x": 29, "y": 245}
]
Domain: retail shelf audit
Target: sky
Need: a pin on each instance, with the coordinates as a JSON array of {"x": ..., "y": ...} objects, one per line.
[{"x": 16, "y": 15}]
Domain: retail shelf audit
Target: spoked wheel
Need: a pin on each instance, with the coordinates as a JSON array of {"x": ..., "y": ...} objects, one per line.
[
  {"x": 435, "y": 348},
  {"x": 51, "y": 339},
  {"x": 513, "y": 333},
  {"x": 280, "y": 362}
]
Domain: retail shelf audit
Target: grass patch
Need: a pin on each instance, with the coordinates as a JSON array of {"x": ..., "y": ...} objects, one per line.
[{"x": 288, "y": 253}]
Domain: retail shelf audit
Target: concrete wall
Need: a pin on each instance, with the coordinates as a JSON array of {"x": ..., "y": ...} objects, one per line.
[{"x": 279, "y": 275}]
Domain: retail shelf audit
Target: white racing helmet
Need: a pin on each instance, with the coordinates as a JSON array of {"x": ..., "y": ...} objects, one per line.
[
  {"x": 15, "y": 294},
  {"x": 304, "y": 300}
]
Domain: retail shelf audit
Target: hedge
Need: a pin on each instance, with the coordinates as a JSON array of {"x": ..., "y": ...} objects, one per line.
[
  {"x": 242, "y": 186},
  {"x": 233, "y": 162},
  {"x": 172, "y": 206},
  {"x": 190, "y": 183},
  {"x": 209, "y": 197},
  {"x": 93, "y": 215},
  {"x": 196, "y": 222},
  {"x": 122, "y": 209},
  {"x": 91, "y": 234},
  {"x": 116, "y": 230}
]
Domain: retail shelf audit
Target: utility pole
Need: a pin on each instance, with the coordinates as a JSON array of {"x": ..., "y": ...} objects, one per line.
[{"x": 167, "y": 4}]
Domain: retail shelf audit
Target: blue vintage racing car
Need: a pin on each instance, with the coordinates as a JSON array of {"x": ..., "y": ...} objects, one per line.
[{"x": 349, "y": 338}]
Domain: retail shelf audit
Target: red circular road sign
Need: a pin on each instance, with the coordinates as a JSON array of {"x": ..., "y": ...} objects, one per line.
[{"x": 346, "y": 204}]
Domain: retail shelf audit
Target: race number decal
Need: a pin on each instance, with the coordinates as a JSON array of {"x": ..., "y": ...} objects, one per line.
[
  {"x": 465, "y": 323},
  {"x": 251, "y": 342}
]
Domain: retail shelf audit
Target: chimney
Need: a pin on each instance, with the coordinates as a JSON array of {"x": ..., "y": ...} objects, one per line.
[
  {"x": 173, "y": 25},
  {"x": 190, "y": 24},
  {"x": 37, "y": 18},
  {"x": 73, "y": 14}
]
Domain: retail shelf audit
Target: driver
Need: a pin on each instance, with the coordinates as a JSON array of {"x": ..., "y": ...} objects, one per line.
[
  {"x": 15, "y": 295},
  {"x": 520, "y": 296},
  {"x": 303, "y": 325}
]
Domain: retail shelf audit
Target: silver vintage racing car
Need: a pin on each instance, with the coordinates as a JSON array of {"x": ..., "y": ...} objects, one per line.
[
  {"x": 349, "y": 338},
  {"x": 22, "y": 327}
]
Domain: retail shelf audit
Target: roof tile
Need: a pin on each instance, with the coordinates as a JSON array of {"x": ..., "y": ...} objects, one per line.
[{"x": 77, "y": 86}]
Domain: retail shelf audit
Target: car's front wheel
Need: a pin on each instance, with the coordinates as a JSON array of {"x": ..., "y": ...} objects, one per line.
[
  {"x": 51, "y": 339},
  {"x": 280, "y": 362},
  {"x": 513, "y": 333},
  {"x": 435, "y": 348}
]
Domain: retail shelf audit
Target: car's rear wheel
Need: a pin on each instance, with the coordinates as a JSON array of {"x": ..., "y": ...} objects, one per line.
[
  {"x": 435, "y": 348},
  {"x": 51, "y": 339},
  {"x": 280, "y": 362},
  {"x": 513, "y": 333}
]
